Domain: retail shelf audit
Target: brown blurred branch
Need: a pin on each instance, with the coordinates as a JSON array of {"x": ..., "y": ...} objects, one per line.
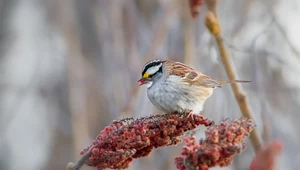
[
  {"x": 189, "y": 37},
  {"x": 213, "y": 26},
  {"x": 78, "y": 67}
]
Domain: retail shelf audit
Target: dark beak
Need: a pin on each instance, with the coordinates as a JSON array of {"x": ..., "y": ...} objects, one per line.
[{"x": 142, "y": 81}]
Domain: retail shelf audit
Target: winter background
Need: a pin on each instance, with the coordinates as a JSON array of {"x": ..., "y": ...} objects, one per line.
[{"x": 70, "y": 67}]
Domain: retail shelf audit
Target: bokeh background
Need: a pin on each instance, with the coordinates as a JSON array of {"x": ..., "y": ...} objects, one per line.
[{"x": 70, "y": 67}]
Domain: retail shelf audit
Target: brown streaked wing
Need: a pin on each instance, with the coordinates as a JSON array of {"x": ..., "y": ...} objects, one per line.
[
  {"x": 177, "y": 68},
  {"x": 189, "y": 75},
  {"x": 199, "y": 79}
]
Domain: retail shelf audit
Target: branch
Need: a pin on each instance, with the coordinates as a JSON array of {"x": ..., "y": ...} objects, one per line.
[
  {"x": 80, "y": 162},
  {"x": 213, "y": 26}
]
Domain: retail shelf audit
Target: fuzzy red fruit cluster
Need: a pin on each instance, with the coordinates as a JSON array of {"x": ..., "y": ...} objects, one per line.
[
  {"x": 124, "y": 140},
  {"x": 221, "y": 143}
]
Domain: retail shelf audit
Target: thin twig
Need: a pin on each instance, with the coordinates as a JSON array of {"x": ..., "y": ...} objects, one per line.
[
  {"x": 80, "y": 162},
  {"x": 213, "y": 26}
]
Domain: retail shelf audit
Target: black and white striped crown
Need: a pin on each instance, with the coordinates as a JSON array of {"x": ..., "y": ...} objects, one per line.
[{"x": 152, "y": 66}]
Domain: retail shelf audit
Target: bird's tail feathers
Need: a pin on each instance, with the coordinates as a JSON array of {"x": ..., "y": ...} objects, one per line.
[{"x": 221, "y": 82}]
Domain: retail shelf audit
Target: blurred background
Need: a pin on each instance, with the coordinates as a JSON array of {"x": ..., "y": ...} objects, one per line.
[{"x": 70, "y": 67}]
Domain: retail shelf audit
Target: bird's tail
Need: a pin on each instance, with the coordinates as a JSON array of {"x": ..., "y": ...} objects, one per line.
[{"x": 221, "y": 82}]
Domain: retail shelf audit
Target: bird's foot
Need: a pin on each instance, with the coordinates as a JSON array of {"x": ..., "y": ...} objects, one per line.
[{"x": 190, "y": 114}]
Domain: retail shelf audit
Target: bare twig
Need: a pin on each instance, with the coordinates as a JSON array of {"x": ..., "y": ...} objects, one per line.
[
  {"x": 80, "y": 162},
  {"x": 213, "y": 26}
]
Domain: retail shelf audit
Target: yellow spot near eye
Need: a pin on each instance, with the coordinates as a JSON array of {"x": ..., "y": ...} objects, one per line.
[{"x": 146, "y": 75}]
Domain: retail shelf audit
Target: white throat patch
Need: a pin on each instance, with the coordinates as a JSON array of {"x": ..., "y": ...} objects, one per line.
[{"x": 149, "y": 84}]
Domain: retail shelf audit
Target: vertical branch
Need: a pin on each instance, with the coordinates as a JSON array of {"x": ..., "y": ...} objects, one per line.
[
  {"x": 189, "y": 37},
  {"x": 213, "y": 26},
  {"x": 76, "y": 70}
]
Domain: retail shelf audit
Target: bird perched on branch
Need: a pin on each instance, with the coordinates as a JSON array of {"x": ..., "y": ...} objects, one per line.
[{"x": 175, "y": 87}]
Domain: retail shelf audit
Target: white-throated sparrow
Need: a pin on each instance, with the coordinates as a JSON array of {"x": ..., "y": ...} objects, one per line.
[{"x": 176, "y": 87}]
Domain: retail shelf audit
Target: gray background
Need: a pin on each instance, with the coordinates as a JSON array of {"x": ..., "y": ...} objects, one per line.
[{"x": 70, "y": 67}]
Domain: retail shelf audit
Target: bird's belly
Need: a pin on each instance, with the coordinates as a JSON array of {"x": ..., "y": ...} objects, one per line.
[{"x": 179, "y": 99}]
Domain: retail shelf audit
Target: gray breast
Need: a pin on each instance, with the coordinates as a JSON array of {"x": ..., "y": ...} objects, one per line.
[{"x": 168, "y": 96}]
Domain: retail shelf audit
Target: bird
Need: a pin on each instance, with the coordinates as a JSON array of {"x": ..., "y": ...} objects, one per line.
[{"x": 174, "y": 87}]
